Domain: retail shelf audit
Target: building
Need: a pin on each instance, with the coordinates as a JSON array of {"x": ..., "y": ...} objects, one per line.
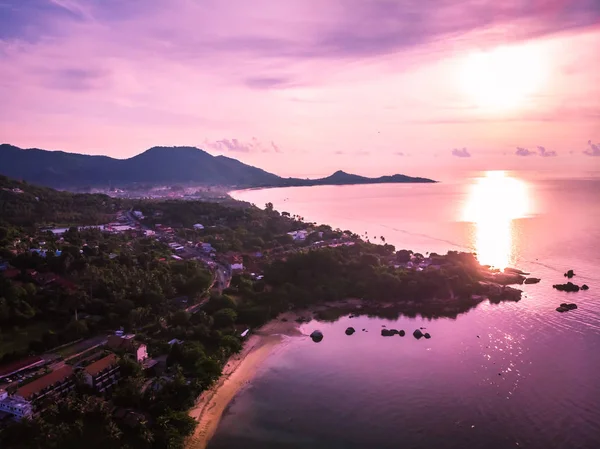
[
  {"x": 43, "y": 390},
  {"x": 198, "y": 227},
  {"x": 16, "y": 407},
  {"x": 138, "y": 214},
  {"x": 103, "y": 374},
  {"x": 128, "y": 344},
  {"x": 298, "y": 236},
  {"x": 206, "y": 247},
  {"x": 20, "y": 365},
  {"x": 236, "y": 262},
  {"x": 237, "y": 266}
]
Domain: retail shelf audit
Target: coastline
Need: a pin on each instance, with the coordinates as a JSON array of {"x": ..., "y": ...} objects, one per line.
[{"x": 237, "y": 373}]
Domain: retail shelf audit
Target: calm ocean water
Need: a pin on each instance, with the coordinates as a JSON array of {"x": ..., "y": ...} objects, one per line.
[{"x": 500, "y": 376}]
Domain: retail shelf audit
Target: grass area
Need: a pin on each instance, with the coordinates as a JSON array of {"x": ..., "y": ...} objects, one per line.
[{"x": 18, "y": 338}]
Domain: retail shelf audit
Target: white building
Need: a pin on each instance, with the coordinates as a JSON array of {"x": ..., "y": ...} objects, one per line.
[
  {"x": 15, "y": 406},
  {"x": 298, "y": 235},
  {"x": 237, "y": 266},
  {"x": 138, "y": 214},
  {"x": 198, "y": 227}
]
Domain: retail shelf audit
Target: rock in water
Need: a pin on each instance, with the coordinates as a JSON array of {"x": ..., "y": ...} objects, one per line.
[
  {"x": 569, "y": 274},
  {"x": 316, "y": 336},
  {"x": 350, "y": 331},
  {"x": 532, "y": 280},
  {"x": 571, "y": 306},
  {"x": 417, "y": 334},
  {"x": 386, "y": 333},
  {"x": 584, "y": 287},
  {"x": 562, "y": 309},
  {"x": 402, "y": 333},
  {"x": 426, "y": 335},
  {"x": 568, "y": 287}
]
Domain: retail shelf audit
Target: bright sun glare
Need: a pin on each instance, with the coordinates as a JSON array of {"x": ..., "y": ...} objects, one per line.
[
  {"x": 493, "y": 203},
  {"x": 503, "y": 78}
]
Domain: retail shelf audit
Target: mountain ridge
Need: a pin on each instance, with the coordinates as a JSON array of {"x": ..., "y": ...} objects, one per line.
[{"x": 157, "y": 165}]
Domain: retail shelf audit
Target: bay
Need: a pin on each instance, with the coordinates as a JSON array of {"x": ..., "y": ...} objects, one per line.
[{"x": 500, "y": 376}]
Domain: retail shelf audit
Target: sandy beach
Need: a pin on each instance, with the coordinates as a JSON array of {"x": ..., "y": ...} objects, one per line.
[{"x": 237, "y": 373}]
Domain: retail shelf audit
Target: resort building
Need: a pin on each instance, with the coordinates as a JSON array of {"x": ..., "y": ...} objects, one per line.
[
  {"x": 42, "y": 391},
  {"x": 103, "y": 374},
  {"x": 13, "y": 406}
]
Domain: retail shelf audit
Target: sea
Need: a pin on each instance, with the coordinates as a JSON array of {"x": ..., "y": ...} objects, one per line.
[{"x": 510, "y": 375}]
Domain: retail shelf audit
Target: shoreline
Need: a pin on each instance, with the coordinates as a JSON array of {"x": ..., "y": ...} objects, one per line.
[{"x": 237, "y": 373}]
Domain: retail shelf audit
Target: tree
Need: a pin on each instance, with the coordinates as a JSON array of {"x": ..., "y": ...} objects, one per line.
[{"x": 225, "y": 317}]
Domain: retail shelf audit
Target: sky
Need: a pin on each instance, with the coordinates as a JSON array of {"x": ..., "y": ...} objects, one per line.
[{"x": 306, "y": 87}]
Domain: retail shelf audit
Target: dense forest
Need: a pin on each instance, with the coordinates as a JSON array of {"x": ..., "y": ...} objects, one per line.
[{"x": 27, "y": 205}]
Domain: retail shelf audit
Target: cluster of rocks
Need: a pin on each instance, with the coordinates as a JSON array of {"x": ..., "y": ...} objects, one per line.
[
  {"x": 317, "y": 335},
  {"x": 392, "y": 332},
  {"x": 418, "y": 334},
  {"x": 532, "y": 280},
  {"x": 565, "y": 307},
  {"x": 570, "y": 287}
]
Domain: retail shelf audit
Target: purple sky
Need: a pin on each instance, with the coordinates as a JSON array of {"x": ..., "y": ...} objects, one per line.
[{"x": 303, "y": 87}]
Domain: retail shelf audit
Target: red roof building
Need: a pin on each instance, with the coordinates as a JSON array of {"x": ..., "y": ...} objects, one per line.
[{"x": 56, "y": 383}]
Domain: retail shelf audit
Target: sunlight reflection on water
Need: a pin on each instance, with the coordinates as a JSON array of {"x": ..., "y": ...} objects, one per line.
[{"x": 493, "y": 202}]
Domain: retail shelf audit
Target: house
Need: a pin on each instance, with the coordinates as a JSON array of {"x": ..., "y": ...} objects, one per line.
[
  {"x": 16, "y": 407},
  {"x": 198, "y": 227},
  {"x": 236, "y": 263},
  {"x": 149, "y": 233},
  {"x": 43, "y": 390},
  {"x": 238, "y": 266},
  {"x": 103, "y": 374},
  {"x": 298, "y": 236},
  {"x": 206, "y": 247},
  {"x": 138, "y": 214},
  {"x": 128, "y": 344}
]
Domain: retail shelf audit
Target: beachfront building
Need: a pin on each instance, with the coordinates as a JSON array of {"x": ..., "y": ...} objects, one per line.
[
  {"x": 44, "y": 390},
  {"x": 103, "y": 374}
]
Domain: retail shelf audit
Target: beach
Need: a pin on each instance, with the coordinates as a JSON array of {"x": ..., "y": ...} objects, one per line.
[{"x": 237, "y": 373}]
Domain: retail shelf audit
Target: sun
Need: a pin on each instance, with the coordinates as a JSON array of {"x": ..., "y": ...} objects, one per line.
[{"x": 504, "y": 78}]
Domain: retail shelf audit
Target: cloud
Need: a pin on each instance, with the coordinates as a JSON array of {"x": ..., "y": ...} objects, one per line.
[
  {"x": 524, "y": 152},
  {"x": 267, "y": 82},
  {"x": 461, "y": 152},
  {"x": 237, "y": 146},
  {"x": 545, "y": 153},
  {"x": 352, "y": 153},
  {"x": 593, "y": 150},
  {"x": 399, "y": 153},
  {"x": 76, "y": 79}
]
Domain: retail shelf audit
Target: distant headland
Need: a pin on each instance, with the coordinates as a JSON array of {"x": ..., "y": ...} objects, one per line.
[{"x": 158, "y": 166}]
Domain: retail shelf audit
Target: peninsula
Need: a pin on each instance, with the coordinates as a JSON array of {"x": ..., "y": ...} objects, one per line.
[{"x": 158, "y": 166}]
